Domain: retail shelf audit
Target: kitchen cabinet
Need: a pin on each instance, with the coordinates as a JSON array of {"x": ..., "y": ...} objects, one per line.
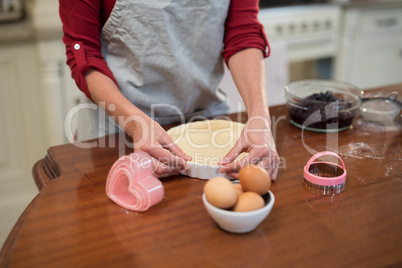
[
  {"x": 370, "y": 53},
  {"x": 36, "y": 92},
  {"x": 21, "y": 142}
]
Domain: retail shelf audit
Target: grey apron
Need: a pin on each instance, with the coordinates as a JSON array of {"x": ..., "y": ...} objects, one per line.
[{"x": 166, "y": 57}]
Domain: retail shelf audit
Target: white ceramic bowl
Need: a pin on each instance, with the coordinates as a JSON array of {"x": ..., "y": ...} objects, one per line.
[{"x": 240, "y": 222}]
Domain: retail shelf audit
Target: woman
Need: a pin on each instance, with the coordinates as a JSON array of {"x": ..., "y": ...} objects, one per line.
[{"x": 151, "y": 62}]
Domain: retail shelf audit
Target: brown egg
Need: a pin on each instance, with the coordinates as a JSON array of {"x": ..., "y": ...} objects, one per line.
[
  {"x": 220, "y": 193},
  {"x": 248, "y": 201},
  {"x": 239, "y": 189},
  {"x": 255, "y": 179}
]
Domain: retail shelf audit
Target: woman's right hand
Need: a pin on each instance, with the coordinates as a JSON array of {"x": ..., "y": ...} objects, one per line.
[{"x": 148, "y": 136}]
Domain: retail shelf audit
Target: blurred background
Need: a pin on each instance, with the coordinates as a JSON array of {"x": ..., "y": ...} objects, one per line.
[{"x": 359, "y": 42}]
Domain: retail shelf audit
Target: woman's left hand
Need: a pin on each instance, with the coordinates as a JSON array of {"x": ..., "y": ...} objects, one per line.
[{"x": 256, "y": 140}]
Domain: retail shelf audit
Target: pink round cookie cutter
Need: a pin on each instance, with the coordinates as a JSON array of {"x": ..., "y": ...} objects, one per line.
[
  {"x": 131, "y": 183},
  {"x": 324, "y": 181}
]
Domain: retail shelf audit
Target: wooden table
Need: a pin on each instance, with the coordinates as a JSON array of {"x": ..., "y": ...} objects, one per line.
[{"x": 72, "y": 223}]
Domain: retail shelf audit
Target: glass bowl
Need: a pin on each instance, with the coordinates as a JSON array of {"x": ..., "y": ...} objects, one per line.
[
  {"x": 322, "y": 105},
  {"x": 381, "y": 108}
]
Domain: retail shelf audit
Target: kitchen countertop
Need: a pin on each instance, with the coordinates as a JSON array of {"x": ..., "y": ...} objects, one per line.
[{"x": 72, "y": 223}]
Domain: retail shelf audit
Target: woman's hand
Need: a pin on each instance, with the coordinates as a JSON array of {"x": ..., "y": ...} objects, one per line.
[
  {"x": 248, "y": 70},
  {"x": 256, "y": 140},
  {"x": 150, "y": 137}
]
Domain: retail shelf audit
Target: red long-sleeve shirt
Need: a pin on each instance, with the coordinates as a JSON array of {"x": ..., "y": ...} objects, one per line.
[{"x": 83, "y": 21}]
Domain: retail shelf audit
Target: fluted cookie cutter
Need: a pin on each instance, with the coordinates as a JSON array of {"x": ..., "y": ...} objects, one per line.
[{"x": 324, "y": 178}]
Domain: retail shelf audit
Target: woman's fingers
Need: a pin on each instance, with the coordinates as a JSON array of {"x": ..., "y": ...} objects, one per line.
[
  {"x": 168, "y": 158},
  {"x": 235, "y": 166},
  {"x": 264, "y": 157},
  {"x": 151, "y": 138},
  {"x": 169, "y": 144},
  {"x": 232, "y": 154},
  {"x": 274, "y": 174},
  {"x": 161, "y": 170},
  {"x": 234, "y": 175}
]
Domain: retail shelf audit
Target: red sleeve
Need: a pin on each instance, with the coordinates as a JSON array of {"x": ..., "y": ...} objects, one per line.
[
  {"x": 243, "y": 30},
  {"x": 82, "y": 22}
]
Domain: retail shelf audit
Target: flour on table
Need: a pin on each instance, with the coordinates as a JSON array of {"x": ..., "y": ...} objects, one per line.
[
  {"x": 388, "y": 169},
  {"x": 360, "y": 150}
]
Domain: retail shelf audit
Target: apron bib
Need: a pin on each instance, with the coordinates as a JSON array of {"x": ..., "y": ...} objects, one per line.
[{"x": 166, "y": 56}]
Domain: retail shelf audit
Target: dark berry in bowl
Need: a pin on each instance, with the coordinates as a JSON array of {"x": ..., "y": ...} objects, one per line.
[{"x": 322, "y": 105}]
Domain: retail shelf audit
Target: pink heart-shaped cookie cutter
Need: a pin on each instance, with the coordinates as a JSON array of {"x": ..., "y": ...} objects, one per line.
[{"x": 131, "y": 183}]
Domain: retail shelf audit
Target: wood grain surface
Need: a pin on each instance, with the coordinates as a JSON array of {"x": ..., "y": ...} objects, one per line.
[{"x": 72, "y": 223}]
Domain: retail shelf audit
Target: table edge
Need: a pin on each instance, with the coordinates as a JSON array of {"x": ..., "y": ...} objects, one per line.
[{"x": 45, "y": 170}]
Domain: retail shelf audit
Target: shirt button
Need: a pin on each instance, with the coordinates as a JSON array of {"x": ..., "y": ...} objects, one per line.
[{"x": 77, "y": 46}]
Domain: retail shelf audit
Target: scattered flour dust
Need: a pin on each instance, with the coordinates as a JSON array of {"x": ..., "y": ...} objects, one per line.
[
  {"x": 362, "y": 180},
  {"x": 388, "y": 170},
  {"x": 360, "y": 150}
]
